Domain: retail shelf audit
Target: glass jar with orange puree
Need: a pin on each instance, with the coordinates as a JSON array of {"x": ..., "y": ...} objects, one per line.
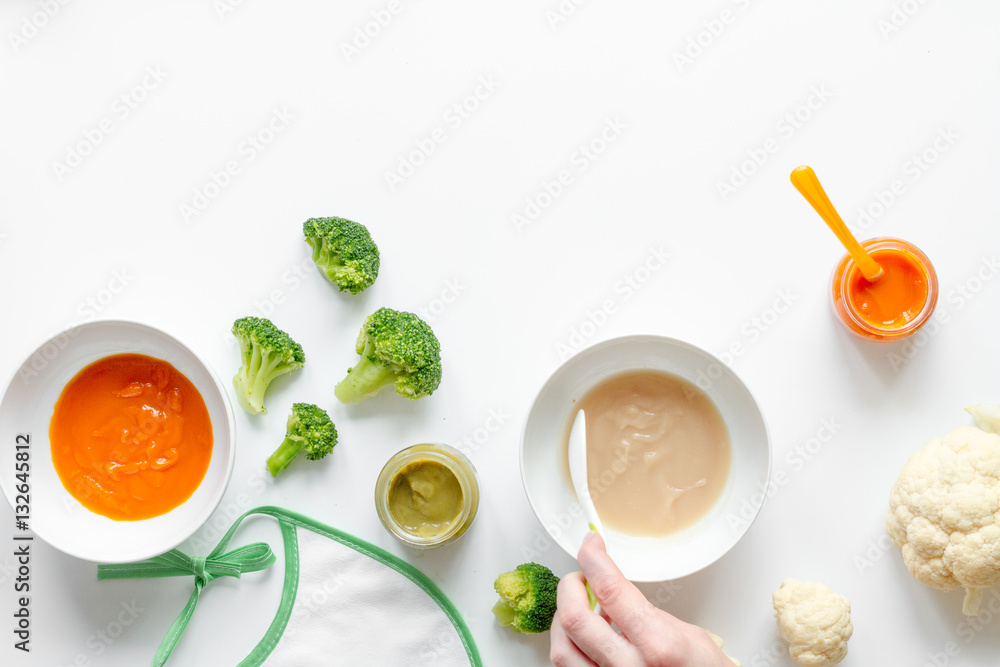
[{"x": 894, "y": 306}]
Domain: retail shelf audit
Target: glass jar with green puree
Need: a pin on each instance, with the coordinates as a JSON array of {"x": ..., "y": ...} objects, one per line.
[{"x": 427, "y": 495}]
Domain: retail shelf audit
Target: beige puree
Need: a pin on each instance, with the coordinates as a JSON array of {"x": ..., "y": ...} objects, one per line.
[{"x": 657, "y": 452}]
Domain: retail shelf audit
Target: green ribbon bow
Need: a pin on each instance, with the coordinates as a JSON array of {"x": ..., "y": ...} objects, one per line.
[{"x": 250, "y": 558}]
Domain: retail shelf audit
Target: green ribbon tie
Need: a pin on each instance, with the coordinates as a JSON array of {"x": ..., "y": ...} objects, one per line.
[{"x": 249, "y": 558}]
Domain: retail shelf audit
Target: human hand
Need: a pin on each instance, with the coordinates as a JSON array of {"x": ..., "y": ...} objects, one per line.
[{"x": 650, "y": 637}]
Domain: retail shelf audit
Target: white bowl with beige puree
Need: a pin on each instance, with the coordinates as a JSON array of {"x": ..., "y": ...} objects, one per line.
[{"x": 644, "y": 553}]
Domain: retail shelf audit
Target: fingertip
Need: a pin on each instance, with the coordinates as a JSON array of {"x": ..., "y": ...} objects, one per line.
[
  {"x": 593, "y": 557},
  {"x": 592, "y": 540},
  {"x": 571, "y": 590},
  {"x": 571, "y": 579}
]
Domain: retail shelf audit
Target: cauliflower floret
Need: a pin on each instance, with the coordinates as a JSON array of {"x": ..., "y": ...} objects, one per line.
[
  {"x": 987, "y": 416},
  {"x": 815, "y": 621},
  {"x": 944, "y": 511}
]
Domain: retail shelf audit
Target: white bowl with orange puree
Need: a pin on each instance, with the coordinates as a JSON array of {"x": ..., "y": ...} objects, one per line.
[
  {"x": 128, "y": 438},
  {"x": 685, "y": 460}
]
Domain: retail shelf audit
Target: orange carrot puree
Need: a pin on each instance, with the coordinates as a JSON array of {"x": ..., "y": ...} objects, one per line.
[
  {"x": 131, "y": 437},
  {"x": 894, "y": 299}
]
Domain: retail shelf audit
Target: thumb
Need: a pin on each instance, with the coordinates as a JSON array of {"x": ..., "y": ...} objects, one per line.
[
  {"x": 593, "y": 544},
  {"x": 619, "y": 599}
]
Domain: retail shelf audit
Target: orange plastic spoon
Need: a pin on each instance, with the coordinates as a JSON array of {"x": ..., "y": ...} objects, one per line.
[{"x": 805, "y": 181}]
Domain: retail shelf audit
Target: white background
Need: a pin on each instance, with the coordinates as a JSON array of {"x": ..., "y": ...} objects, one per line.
[{"x": 108, "y": 237}]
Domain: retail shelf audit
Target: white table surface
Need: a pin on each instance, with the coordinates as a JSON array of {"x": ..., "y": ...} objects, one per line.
[{"x": 874, "y": 95}]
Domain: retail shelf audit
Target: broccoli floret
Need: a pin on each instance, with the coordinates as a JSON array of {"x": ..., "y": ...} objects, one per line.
[
  {"x": 396, "y": 348},
  {"x": 344, "y": 251},
  {"x": 309, "y": 430},
  {"x": 527, "y": 598},
  {"x": 266, "y": 352}
]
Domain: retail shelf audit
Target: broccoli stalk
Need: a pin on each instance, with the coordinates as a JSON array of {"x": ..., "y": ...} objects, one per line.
[
  {"x": 344, "y": 252},
  {"x": 267, "y": 352},
  {"x": 367, "y": 377},
  {"x": 505, "y": 613},
  {"x": 396, "y": 348},
  {"x": 527, "y": 598},
  {"x": 310, "y": 431}
]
